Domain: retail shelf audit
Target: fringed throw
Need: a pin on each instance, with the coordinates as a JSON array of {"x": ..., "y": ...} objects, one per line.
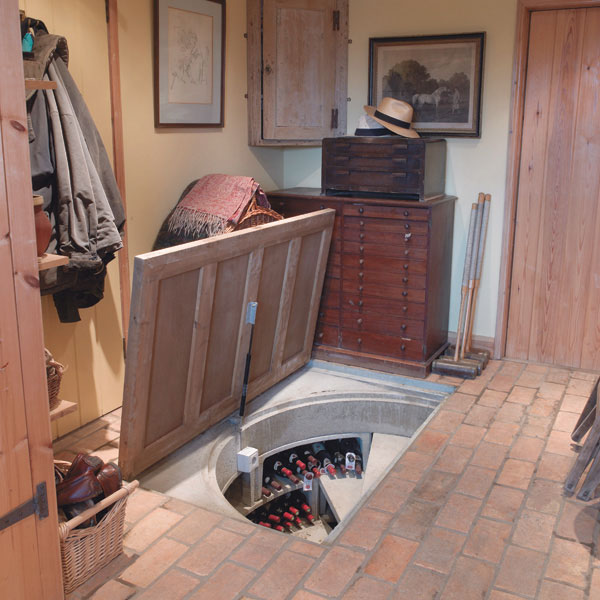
[{"x": 213, "y": 203}]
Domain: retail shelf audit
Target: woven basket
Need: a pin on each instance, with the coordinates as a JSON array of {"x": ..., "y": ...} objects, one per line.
[
  {"x": 54, "y": 373},
  {"x": 254, "y": 215},
  {"x": 85, "y": 551}
]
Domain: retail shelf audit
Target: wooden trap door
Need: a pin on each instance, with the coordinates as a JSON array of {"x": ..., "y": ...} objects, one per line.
[
  {"x": 188, "y": 332},
  {"x": 554, "y": 310}
]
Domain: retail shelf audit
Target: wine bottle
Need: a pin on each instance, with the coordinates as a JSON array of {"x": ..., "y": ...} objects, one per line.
[
  {"x": 300, "y": 500},
  {"x": 281, "y": 469},
  {"x": 324, "y": 456},
  {"x": 265, "y": 492},
  {"x": 351, "y": 445},
  {"x": 339, "y": 459},
  {"x": 313, "y": 464},
  {"x": 295, "y": 463},
  {"x": 269, "y": 480}
]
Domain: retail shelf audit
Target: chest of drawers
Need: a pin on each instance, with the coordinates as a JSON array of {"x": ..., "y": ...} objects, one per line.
[{"x": 386, "y": 294}]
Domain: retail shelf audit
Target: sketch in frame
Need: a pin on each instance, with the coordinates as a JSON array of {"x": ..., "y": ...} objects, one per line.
[
  {"x": 440, "y": 76},
  {"x": 189, "y": 55}
]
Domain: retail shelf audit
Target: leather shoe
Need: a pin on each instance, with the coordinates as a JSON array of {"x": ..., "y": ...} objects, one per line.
[{"x": 78, "y": 489}]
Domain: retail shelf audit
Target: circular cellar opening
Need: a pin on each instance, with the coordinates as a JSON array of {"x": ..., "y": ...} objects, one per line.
[{"x": 370, "y": 414}]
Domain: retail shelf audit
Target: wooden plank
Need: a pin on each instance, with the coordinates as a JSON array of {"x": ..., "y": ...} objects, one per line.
[
  {"x": 254, "y": 71},
  {"x": 210, "y": 282},
  {"x": 31, "y": 563},
  {"x": 49, "y": 261},
  {"x": 38, "y": 84},
  {"x": 63, "y": 408},
  {"x": 118, "y": 152}
]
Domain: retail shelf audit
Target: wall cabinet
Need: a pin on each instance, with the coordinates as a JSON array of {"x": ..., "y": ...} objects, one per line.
[
  {"x": 386, "y": 294},
  {"x": 297, "y": 71}
]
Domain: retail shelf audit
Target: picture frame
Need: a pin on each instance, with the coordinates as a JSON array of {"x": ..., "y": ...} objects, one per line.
[
  {"x": 189, "y": 63},
  {"x": 441, "y": 76}
]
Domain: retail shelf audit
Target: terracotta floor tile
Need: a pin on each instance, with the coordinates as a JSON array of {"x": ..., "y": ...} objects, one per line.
[
  {"x": 436, "y": 487},
  {"x": 534, "y": 530},
  {"x": 259, "y": 549},
  {"x": 527, "y": 448},
  {"x": 551, "y": 391},
  {"x": 492, "y": 398},
  {"x": 174, "y": 585},
  {"x": 334, "y": 571},
  {"x": 577, "y": 522},
  {"x": 580, "y": 387},
  {"x": 502, "y": 383},
  {"x": 281, "y": 576},
  {"x": 391, "y": 493},
  {"x": 150, "y": 528},
  {"x": 476, "y": 481},
  {"x": 391, "y": 558},
  {"x": 416, "y": 460},
  {"x": 558, "y": 376},
  {"x": 537, "y": 426},
  {"x": 488, "y": 540},
  {"x": 595, "y": 585},
  {"x": 180, "y": 507},
  {"x": 502, "y": 433},
  {"x": 365, "y": 587},
  {"x": 521, "y": 395},
  {"x": 459, "y": 402},
  {"x": 468, "y": 436},
  {"x": 458, "y": 513},
  {"x": 94, "y": 441},
  {"x": 195, "y": 526},
  {"x": 470, "y": 580},
  {"x": 113, "y": 590},
  {"x": 242, "y": 526},
  {"x": 521, "y": 571},
  {"x": 481, "y": 416},
  {"x": 225, "y": 584},
  {"x": 545, "y": 496},
  {"x": 573, "y": 404},
  {"x": 453, "y": 459},
  {"x": 429, "y": 442},
  {"x": 531, "y": 379},
  {"x": 543, "y": 408},
  {"x": 140, "y": 503},
  {"x": 414, "y": 519},
  {"x": 366, "y": 528},
  {"x": 565, "y": 421},
  {"x": 211, "y": 551},
  {"x": 419, "y": 583},
  {"x": 498, "y": 595},
  {"x": 439, "y": 550},
  {"x": 446, "y": 421},
  {"x": 490, "y": 456},
  {"x": 107, "y": 453},
  {"x": 559, "y": 442},
  {"x": 516, "y": 473},
  {"x": 153, "y": 563},
  {"x": 503, "y": 503},
  {"x": 473, "y": 386},
  {"x": 568, "y": 562},
  {"x": 585, "y": 375},
  {"x": 510, "y": 413},
  {"x": 306, "y": 548},
  {"x": 551, "y": 590},
  {"x": 301, "y": 595},
  {"x": 554, "y": 466}
]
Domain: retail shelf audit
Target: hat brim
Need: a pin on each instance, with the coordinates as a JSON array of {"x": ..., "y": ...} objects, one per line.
[{"x": 409, "y": 133}]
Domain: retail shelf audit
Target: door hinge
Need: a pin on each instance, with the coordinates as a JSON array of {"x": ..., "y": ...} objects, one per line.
[
  {"x": 336, "y": 20},
  {"x": 38, "y": 505},
  {"x": 334, "y": 118}
]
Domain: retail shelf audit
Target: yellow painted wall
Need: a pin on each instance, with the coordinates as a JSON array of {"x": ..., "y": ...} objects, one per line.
[
  {"x": 92, "y": 348},
  {"x": 473, "y": 165}
]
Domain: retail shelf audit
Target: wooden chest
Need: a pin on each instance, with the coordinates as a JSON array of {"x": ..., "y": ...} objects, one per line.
[
  {"x": 386, "y": 295},
  {"x": 411, "y": 169}
]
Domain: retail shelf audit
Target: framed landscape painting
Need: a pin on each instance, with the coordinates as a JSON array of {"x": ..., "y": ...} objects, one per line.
[
  {"x": 189, "y": 59},
  {"x": 439, "y": 75}
]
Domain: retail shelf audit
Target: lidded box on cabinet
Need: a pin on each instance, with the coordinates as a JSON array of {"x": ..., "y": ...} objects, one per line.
[{"x": 397, "y": 167}]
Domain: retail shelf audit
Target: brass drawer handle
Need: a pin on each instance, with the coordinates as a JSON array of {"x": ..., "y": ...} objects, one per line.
[
  {"x": 360, "y": 302},
  {"x": 407, "y": 237},
  {"x": 361, "y": 223},
  {"x": 359, "y": 340},
  {"x": 320, "y": 335},
  {"x": 403, "y": 347},
  {"x": 405, "y": 280},
  {"x": 406, "y": 225},
  {"x": 361, "y": 210},
  {"x": 361, "y": 236},
  {"x": 405, "y": 266},
  {"x": 361, "y": 261},
  {"x": 406, "y": 213},
  {"x": 405, "y": 293},
  {"x": 403, "y": 326},
  {"x": 359, "y": 321},
  {"x": 404, "y": 308},
  {"x": 361, "y": 274},
  {"x": 406, "y": 253},
  {"x": 361, "y": 249},
  {"x": 360, "y": 288}
]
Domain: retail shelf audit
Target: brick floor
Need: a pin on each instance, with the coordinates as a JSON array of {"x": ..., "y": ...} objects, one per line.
[{"x": 473, "y": 510}]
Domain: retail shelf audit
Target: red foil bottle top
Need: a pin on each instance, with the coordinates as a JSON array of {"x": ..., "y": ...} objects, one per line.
[
  {"x": 294, "y": 510},
  {"x": 274, "y": 518},
  {"x": 279, "y": 528},
  {"x": 276, "y": 485},
  {"x": 288, "y": 516},
  {"x": 331, "y": 469},
  {"x": 300, "y": 464},
  {"x": 287, "y": 524},
  {"x": 316, "y": 472},
  {"x": 310, "y": 517},
  {"x": 298, "y": 521},
  {"x": 266, "y": 492},
  {"x": 264, "y": 524},
  {"x": 305, "y": 508},
  {"x": 286, "y": 471}
]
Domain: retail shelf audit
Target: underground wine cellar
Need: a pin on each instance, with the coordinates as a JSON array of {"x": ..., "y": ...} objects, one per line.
[{"x": 320, "y": 407}]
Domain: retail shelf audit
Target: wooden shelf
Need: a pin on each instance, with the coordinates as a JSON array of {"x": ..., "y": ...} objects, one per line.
[
  {"x": 64, "y": 408},
  {"x": 47, "y": 261},
  {"x": 38, "y": 84}
]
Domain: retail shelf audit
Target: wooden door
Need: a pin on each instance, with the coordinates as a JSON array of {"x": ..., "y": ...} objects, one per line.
[
  {"x": 29, "y": 550},
  {"x": 301, "y": 84},
  {"x": 554, "y": 309},
  {"x": 188, "y": 333}
]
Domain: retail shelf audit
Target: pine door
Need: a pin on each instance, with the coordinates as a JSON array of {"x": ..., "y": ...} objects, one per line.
[{"x": 554, "y": 309}]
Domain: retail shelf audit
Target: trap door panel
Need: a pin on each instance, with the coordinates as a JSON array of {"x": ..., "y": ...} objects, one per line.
[{"x": 188, "y": 332}]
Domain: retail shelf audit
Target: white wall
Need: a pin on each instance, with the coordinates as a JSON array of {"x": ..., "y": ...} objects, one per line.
[{"x": 473, "y": 165}]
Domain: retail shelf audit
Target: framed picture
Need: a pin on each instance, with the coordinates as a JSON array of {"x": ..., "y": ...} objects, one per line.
[
  {"x": 189, "y": 63},
  {"x": 439, "y": 75}
]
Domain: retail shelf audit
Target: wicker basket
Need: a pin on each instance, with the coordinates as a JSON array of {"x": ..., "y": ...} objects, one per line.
[
  {"x": 54, "y": 373},
  {"x": 254, "y": 215},
  {"x": 85, "y": 551}
]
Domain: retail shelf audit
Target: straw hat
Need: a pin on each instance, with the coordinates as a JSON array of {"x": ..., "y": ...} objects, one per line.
[{"x": 394, "y": 115}]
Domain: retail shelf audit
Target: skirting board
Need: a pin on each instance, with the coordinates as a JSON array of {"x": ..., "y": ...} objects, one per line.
[{"x": 479, "y": 341}]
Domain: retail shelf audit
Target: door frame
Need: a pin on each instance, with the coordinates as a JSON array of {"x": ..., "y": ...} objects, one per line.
[{"x": 524, "y": 10}]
